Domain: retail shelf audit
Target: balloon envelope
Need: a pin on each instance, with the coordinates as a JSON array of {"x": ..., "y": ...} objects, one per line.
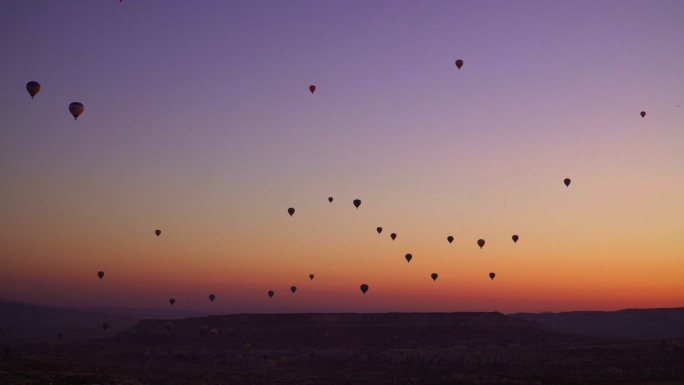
[
  {"x": 105, "y": 325},
  {"x": 330, "y": 199},
  {"x": 515, "y": 238},
  {"x": 408, "y": 257},
  {"x": 312, "y": 88},
  {"x": 567, "y": 182},
  {"x": 393, "y": 236},
  {"x": 364, "y": 288},
  {"x": 492, "y": 275},
  {"x": 270, "y": 293},
  {"x": 357, "y": 203},
  {"x": 450, "y": 238},
  {"x": 643, "y": 113},
  {"x": 212, "y": 297},
  {"x": 311, "y": 277},
  {"x": 290, "y": 211},
  {"x": 379, "y": 230},
  {"x": 76, "y": 109},
  {"x": 293, "y": 289},
  {"x": 459, "y": 63},
  {"x": 480, "y": 242},
  {"x": 434, "y": 276},
  {"x": 33, "y": 88},
  {"x": 158, "y": 232},
  {"x": 172, "y": 301},
  {"x": 101, "y": 274}
]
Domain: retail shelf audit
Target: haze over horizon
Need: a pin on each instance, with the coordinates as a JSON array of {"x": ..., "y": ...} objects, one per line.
[{"x": 199, "y": 122}]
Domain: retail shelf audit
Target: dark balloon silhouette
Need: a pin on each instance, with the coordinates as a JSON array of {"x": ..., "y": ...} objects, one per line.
[
  {"x": 408, "y": 257},
  {"x": 481, "y": 242},
  {"x": 492, "y": 275},
  {"x": 101, "y": 274},
  {"x": 459, "y": 63},
  {"x": 105, "y": 325},
  {"x": 379, "y": 230},
  {"x": 168, "y": 325},
  {"x": 434, "y": 276},
  {"x": 311, "y": 277},
  {"x": 450, "y": 238},
  {"x": 270, "y": 293},
  {"x": 212, "y": 297},
  {"x": 515, "y": 238},
  {"x": 393, "y": 236},
  {"x": 357, "y": 203},
  {"x": 158, "y": 232},
  {"x": 643, "y": 113},
  {"x": 567, "y": 182},
  {"x": 172, "y": 301},
  {"x": 290, "y": 211},
  {"x": 364, "y": 288},
  {"x": 330, "y": 199},
  {"x": 293, "y": 289},
  {"x": 76, "y": 109},
  {"x": 312, "y": 88},
  {"x": 33, "y": 88}
]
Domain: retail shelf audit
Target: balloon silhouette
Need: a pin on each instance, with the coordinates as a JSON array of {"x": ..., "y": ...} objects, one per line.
[
  {"x": 270, "y": 293},
  {"x": 459, "y": 63},
  {"x": 379, "y": 230},
  {"x": 33, "y": 88},
  {"x": 100, "y": 274},
  {"x": 76, "y": 109},
  {"x": 330, "y": 199},
  {"x": 480, "y": 242},
  {"x": 357, "y": 203},
  {"x": 434, "y": 276},
  {"x": 567, "y": 182},
  {"x": 212, "y": 297},
  {"x": 293, "y": 289},
  {"x": 643, "y": 113},
  {"x": 515, "y": 238},
  {"x": 105, "y": 325},
  {"x": 393, "y": 236},
  {"x": 290, "y": 211},
  {"x": 311, "y": 277},
  {"x": 312, "y": 88},
  {"x": 492, "y": 275},
  {"x": 158, "y": 232},
  {"x": 450, "y": 238},
  {"x": 168, "y": 325},
  {"x": 364, "y": 288},
  {"x": 408, "y": 257},
  {"x": 172, "y": 301}
]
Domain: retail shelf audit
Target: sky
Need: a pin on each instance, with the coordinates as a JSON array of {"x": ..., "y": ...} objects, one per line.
[{"x": 199, "y": 122}]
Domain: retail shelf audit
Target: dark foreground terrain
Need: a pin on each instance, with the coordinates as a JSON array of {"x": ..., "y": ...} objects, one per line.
[{"x": 390, "y": 348}]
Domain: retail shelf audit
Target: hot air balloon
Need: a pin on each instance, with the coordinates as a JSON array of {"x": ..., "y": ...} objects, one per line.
[
  {"x": 330, "y": 199},
  {"x": 312, "y": 88},
  {"x": 33, "y": 88},
  {"x": 213, "y": 332},
  {"x": 270, "y": 293},
  {"x": 76, "y": 109},
  {"x": 364, "y": 288},
  {"x": 101, "y": 274},
  {"x": 408, "y": 257},
  {"x": 172, "y": 301},
  {"x": 459, "y": 63},
  {"x": 492, "y": 275},
  {"x": 379, "y": 230},
  {"x": 290, "y": 211},
  {"x": 450, "y": 238},
  {"x": 212, "y": 297},
  {"x": 643, "y": 113},
  {"x": 567, "y": 182},
  {"x": 105, "y": 325},
  {"x": 480, "y": 242},
  {"x": 168, "y": 325},
  {"x": 515, "y": 238},
  {"x": 434, "y": 276},
  {"x": 158, "y": 232},
  {"x": 311, "y": 277},
  {"x": 357, "y": 203},
  {"x": 293, "y": 289},
  {"x": 393, "y": 236}
]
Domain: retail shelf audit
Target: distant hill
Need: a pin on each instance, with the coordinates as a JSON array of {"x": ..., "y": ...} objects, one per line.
[
  {"x": 35, "y": 323},
  {"x": 629, "y": 324}
]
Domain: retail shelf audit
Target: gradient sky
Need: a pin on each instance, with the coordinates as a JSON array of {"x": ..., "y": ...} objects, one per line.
[{"x": 198, "y": 121}]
